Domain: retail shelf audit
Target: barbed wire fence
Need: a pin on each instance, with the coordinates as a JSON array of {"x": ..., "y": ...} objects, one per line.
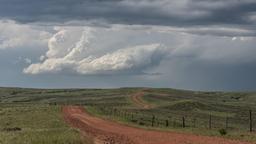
[{"x": 243, "y": 123}]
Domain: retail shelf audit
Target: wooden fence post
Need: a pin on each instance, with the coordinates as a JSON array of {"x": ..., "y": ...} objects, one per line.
[
  {"x": 174, "y": 123},
  {"x": 183, "y": 122},
  {"x": 210, "y": 122},
  {"x": 226, "y": 122},
  {"x": 194, "y": 121},
  {"x": 166, "y": 123},
  {"x": 115, "y": 112},
  {"x": 153, "y": 120},
  {"x": 125, "y": 114},
  {"x": 250, "y": 118}
]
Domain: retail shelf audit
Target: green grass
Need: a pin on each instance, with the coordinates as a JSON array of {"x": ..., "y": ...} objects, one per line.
[
  {"x": 215, "y": 113},
  {"x": 127, "y": 120},
  {"x": 19, "y": 106},
  {"x": 39, "y": 124}
]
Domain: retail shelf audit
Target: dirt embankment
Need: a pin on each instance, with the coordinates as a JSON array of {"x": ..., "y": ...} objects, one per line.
[{"x": 108, "y": 132}]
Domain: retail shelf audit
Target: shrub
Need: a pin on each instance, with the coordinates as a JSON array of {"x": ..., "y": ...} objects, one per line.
[
  {"x": 222, "y": 132},
  {"x": 12, "y": 129},
  {"x": 134, "y": 121},
  {"x": 141, "y": 123}
]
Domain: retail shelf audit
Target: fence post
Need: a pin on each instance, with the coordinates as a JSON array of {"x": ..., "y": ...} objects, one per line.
[
  {"x": 210, "y": 122},
  {"x": 250, "y": 117},
  {"x": 166, "y": 123},
  {"x": 194, "y": 122},
  {"x": 115, "y": 112},
  {"x": 183, "y": 122},
  {"x": 153, "y": 120},
  {"x": 174, "y": 123},
  {"x": 125, "y": 114},
  {"x": 226, "y": 122}
]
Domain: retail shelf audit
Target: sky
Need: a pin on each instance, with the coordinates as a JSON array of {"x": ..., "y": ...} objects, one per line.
[{"x": 185, "y": 44}]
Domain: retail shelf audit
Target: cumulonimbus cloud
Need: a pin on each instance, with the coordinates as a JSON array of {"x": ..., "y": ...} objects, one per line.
[{"x": 71, "y": 51}]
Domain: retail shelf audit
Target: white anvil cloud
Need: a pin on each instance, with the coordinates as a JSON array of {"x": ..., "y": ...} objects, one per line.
[{"x": 70, "y": 50}]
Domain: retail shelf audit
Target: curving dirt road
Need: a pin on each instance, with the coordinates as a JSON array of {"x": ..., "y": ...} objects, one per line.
[
  {"x": 137, "y": 99},
  {"x": 108, "y": 132}
]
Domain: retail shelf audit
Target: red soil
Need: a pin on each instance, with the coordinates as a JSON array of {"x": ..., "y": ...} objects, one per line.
[
  {"x": 137, "y": 99},
  {"x": 108, "y": 132}
]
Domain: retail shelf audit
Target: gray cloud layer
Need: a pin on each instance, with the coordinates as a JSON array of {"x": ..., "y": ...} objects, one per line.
[{"x": 149, "y": 12}]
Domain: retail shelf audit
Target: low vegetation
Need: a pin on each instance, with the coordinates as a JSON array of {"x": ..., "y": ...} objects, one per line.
[
  {"x": 34, "y": 115},
  {"x": 34, "y": 124}
]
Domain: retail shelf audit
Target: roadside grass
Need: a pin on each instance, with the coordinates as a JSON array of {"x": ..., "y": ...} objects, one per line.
[{"x": 35, "y": 124}]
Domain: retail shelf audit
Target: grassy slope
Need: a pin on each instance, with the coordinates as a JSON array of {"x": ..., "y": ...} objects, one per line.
[{"x": 170, "y": 104}]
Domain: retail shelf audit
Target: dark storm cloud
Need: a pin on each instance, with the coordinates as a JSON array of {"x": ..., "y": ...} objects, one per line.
[
  {"x": 226, "y": 11},
  {"x": 148, "y": 12}
]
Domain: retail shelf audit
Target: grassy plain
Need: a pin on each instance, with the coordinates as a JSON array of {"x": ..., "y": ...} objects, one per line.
[{"x": 38, "y": 112}]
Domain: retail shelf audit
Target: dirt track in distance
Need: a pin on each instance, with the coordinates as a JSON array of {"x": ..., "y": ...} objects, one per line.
[
  {"x": 108, "y": 132},
  {"x": 138, "y": 100}
]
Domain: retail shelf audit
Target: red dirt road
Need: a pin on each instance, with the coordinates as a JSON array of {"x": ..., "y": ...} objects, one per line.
[
  {"x": 137, "y": 99},
  {"x": 108, "y": 132}
]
